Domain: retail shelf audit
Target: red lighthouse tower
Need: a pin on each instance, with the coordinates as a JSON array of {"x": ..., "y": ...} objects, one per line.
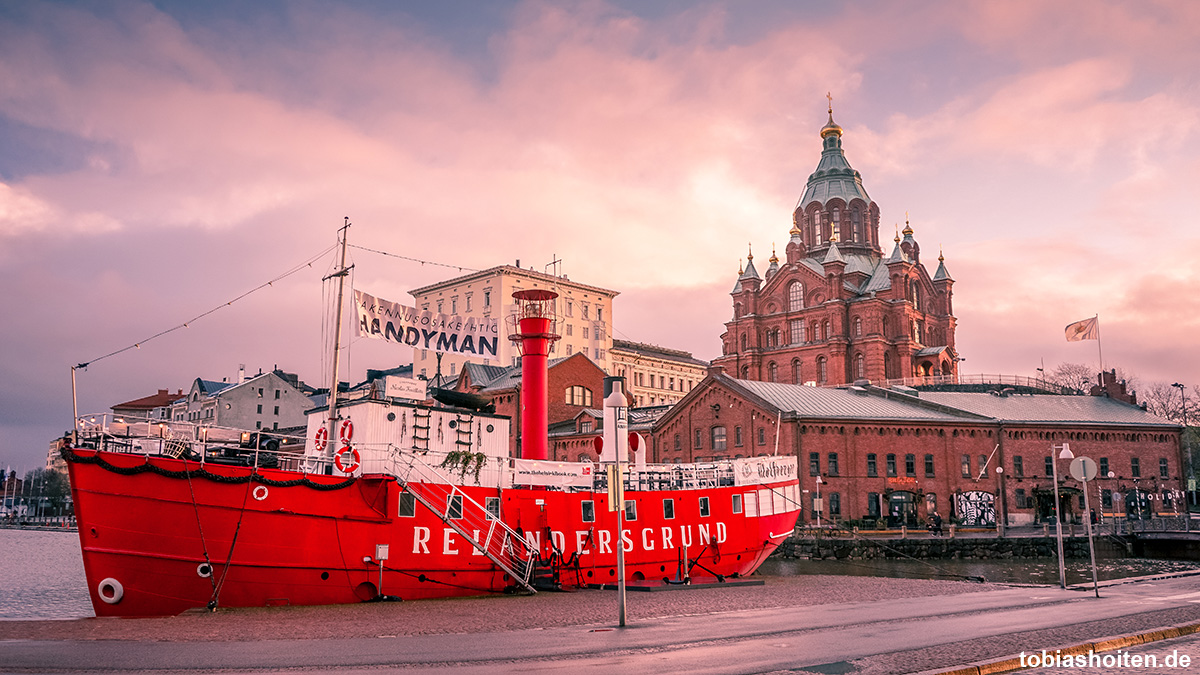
[{"x": 533, "y": 327}]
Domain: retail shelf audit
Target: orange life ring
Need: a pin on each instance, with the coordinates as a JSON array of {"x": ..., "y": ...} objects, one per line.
[
  {"x": 346, "y": 432},
  {"x": 321, "y": 441},
  {"x": 351, "y": 466}
]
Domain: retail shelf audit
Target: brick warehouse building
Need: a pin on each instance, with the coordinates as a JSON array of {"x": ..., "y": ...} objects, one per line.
[
  {"x": 897, "y": 454},
  {"x": 836, "y": 310}
]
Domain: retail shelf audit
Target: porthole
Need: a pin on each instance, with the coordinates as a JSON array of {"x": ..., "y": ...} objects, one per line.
[
  {"x": 324, "y": 576},
  {"x": 490, "y": 428},
  {"x": 453, "y": 424},
  {"x": 204, "y": 570},
  {"x": 391, "y": 417}
]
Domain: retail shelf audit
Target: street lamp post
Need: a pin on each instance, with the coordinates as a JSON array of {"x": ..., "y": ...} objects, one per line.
[
  {"x": 1190, "y": 473},
  {"x": 818, "y": 504},
  {"x": 1000, "y": 496},
  {"x": 1065, "y": 454}
]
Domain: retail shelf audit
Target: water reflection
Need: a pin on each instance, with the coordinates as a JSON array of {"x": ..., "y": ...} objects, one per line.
[
  {"x": 1025, "y": 571},
  {"x": 41, "y": 576}
]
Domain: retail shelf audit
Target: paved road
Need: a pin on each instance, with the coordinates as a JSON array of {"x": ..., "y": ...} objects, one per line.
[{"x": 822, "y": 638}]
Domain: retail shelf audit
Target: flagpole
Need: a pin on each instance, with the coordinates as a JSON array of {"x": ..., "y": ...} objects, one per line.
[{"x": 1099, "y": 348}]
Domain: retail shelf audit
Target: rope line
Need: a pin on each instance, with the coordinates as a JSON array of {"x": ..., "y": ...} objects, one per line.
[{"x": 460, "y": 268}]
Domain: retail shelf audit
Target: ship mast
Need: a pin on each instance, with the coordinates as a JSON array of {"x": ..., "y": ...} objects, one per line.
[{"x": 337, "y": 336}]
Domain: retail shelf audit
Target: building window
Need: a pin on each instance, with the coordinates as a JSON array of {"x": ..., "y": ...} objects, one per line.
[
  {"x": 797, "y": 377},
  {"x": 570, "y": 330},
  {"x": 1164, "y": 469},
  {"x": 698, "y": 443},
  {"x": 762, "y": 436},
  {"x": 737, "y": 436},
  {"x": 835, "y": 504},
  {"x": 1135, "y": 467},
  {"x": 259, "y": 408},
  {"x": 857, "y": 327},
  {"x": 454, "y": 305},
  {"x": 579, "y": 395},
  {"x": 833, "y": 464},
  {"x": 737, "y": 503},
  {"x": 276, "y": 394},
  {"x": 1049, "y": 468},
  {"x": 1103, "y": 467},
  {"x": 678, "y": 443},
  {"x": 891, "y": 465},
  {"x": 822, "y": 375},
  {"x": 910, "y": 465},
  {"x": 669, "y": 509},
  {"x": 1019, "y": 495},
  {"x": 1106, "y": 499},
  {"x": 772, "y": 372},
  {"x": 814, "y": 464},
  {"x": 929, "y": 466},
  {"x": 276, "y": 410},
  {"x": 872, "y": 504},
  {"x": 704, "y": 507},
  {"x": 589, "y": 511},
  {"x": 966, "y": 466},
  {"x": 487, "y": 299},
  {"x": 860, "y": 367},
  {"x": 630, "y": 510},
  {"x": 718, "y": 438},
  {"x": 1019, "y": 466},
  {"x": 796, "y": 328},
  {"x": 795, "y": 296},
  {"x": 872, "y": 468},
  {"x": 586, "y": 426},
  {"x": 454, "y": 507}
]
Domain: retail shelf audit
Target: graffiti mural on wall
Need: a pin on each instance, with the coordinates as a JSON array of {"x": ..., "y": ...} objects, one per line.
[{"x": 975, "y": 509}]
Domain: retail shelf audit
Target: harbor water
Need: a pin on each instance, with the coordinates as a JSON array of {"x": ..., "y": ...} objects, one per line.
[
  {"x": 41, "y": 572},
  {"x": 41, "y": 576}
]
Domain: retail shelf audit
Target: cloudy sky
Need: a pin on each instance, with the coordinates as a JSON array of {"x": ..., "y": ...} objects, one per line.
[{"x": 158, "y": 159}]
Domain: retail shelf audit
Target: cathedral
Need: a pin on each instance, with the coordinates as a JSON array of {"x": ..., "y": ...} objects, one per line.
[{"x": 837, "y": 311}]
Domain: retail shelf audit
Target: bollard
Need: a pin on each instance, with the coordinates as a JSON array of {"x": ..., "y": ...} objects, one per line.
[
  {"x": 1045, "y": 529},
  {"x": 904, "y": 532},
  {"x": 953, "y": 527}
]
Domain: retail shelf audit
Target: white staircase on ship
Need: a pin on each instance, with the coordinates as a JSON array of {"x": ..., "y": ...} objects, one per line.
[{"x": 472, "y": 521}]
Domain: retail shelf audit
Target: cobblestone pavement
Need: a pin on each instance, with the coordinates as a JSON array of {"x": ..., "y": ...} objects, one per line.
[{"x": 494, "y": 613}]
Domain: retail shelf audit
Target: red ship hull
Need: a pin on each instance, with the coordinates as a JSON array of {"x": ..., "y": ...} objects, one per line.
[{"x": 162, "y": 535}]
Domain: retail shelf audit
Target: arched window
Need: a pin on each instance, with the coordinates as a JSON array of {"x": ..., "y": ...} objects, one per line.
[
  {"x": 857, "y": 327},
  {"x": 795, "y": 296},
  {"x": 822, "y": 374},
  {"x": 816, "y": 332},
  {"x": 737, "y": 310},
  {"x": 888, "y": 368},
  {"x": 745, "y": 372},
  {"x": 860, "y": 366},
  {"x": 579, "y": 395},
  {"x": 743, "y": 342},
  {"x": 796, "y": 372},
  {"x": 825, "y": 330},
  {"x": 718, "y": 439},
  {"x": 678, "y": 443},
  {"x": 772, "y": 372}
]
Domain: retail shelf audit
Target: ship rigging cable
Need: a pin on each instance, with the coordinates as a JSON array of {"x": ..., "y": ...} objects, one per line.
[{"x": 138, "y": 345}]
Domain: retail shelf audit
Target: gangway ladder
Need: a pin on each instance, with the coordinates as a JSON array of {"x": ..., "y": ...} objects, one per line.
[
  {"x": 464, "y": 436},
  {"x": 502, "y": 545},
  {"x": 421, "y": 418}
]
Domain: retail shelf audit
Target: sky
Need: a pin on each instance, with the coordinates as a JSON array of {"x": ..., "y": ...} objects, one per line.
[{"x": 161, "y": 159}]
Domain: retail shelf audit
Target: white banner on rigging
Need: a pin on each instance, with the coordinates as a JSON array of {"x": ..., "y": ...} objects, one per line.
[{"x": 385, "y": 320}]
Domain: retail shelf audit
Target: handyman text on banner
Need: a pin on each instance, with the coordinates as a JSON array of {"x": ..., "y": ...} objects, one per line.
[{"x": 384, "y": 320}]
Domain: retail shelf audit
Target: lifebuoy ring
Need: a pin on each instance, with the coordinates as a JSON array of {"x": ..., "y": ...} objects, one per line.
[
  {"x": 260, "y": 492},
  {"x": 352, "y": 465},
  {"x": 110, "y": 591},
  {"x": 321, "y": 439},
  {"x": 346, "y": 432}
]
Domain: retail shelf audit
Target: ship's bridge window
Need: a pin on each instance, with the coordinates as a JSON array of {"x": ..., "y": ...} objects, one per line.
[
  {"x": 704, "y": 507},
  {"x": 630, "y": 510},
  {"x": 589, "y": 511},
  {"x": 408, "y": 505},
  {"x": 669, "y": 509},
  {"x": 493, "y": 507},
  {"x": 737, "y": 503}
]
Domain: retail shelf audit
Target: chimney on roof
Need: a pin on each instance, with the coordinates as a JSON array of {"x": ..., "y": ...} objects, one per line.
[
  {"x": 714, "y": 369},
  {"x": 162, "y": 392},
  {"x": 241, "y": 373}
]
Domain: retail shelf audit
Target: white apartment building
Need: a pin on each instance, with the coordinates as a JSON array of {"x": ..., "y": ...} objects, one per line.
[
  {"x": 655, "y": 375},
  {"x": 584, "y": 315}
]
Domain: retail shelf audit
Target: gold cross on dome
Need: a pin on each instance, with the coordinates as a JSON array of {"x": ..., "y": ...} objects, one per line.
[{"x": 829, "y": 95}]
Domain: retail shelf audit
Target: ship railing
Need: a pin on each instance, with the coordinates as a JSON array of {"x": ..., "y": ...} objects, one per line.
[
  {"x": 474, "y": 522},
  {"x": 202, "y": 443}
]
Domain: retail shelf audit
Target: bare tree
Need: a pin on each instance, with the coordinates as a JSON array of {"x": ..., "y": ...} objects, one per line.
[{"x": 1073, "y": 376}]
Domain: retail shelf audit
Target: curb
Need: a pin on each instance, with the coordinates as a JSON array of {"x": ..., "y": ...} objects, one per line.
[{"x": 1013, "y": 663}]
